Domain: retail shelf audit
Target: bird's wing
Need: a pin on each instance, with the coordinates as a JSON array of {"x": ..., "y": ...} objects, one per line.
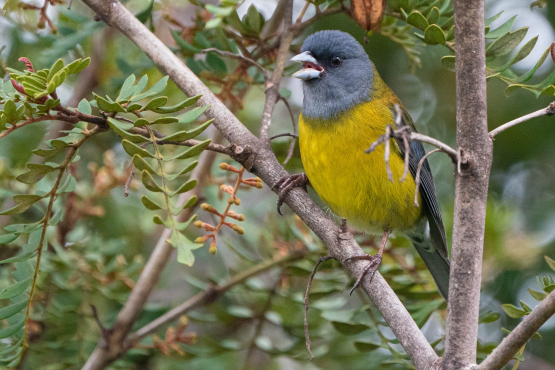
[{"x": 427, "y": 188}]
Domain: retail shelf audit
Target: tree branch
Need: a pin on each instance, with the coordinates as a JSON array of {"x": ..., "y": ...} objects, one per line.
[
  {"x": 264, "y": 71},
  {"x": 520, "y": 335},
  {"x": 549, "y": 111},
  {"x": 471, "y": 187},
  {"x": 258, "y": 158},
  {"x": 272, "y": 87},
  {"x": 208, "y": 296}
]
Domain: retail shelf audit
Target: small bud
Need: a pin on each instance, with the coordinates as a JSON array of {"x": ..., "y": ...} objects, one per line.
[
  {"x": 259, "y": 185},
  {"x": 42, "y": 24},
  {"x": 212, "y": 249},
  {"x": 183, "y": 321},
  {"x": 230, "y": 200},
  {"x": 54, "y": 29},
  {"x": 240, "y": 218},
  {"x": 223, "y": 166},
  {"x": 206, "y": 207},
  {"x": 238, "y": 229},
  {"x": 200, "y": 240},
  {"x": 237, "y": 201}
]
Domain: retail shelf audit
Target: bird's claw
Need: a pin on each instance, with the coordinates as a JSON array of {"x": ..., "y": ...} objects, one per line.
[
  {"x": 286, "y": 184},
  {"x": 375, "y": 262}
]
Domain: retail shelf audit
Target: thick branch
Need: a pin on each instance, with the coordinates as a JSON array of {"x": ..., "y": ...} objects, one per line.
[
  {"x": 258, "y": 158},
  {"x": 471, "y": 186},
  {"x": 549, "y": 111},
  {"x": 520, "y": 335}
]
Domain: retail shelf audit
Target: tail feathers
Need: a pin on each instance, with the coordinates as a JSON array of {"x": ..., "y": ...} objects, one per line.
[{"x": 438, "y": 266}]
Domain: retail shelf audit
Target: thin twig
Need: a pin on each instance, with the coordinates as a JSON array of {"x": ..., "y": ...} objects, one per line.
[
  {"x": 272, "y": 86},
  {"x": 549, "y": 111},
  {"x": 285, "y": 134},
  {"x": 264, "y": 71},
  {"x": 303, "y": 11},
  {"x": 305, "y": 304},
  {"x": 129, "y": 179},
  {"x": 520, "y": 335},
  {"x": 417, "y": 176},
  {"x": 292, "y": 145},
  {"x": 387, "y": 151}
]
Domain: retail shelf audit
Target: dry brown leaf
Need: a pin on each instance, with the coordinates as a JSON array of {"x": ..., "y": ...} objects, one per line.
[{"x": 368, "y": 13}]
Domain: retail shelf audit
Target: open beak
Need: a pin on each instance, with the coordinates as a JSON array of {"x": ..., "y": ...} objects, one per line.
[{"x": 311, "y": 68}]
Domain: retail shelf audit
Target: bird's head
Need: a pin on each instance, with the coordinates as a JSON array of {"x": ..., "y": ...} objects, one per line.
[{"x": 336, "y": 72}]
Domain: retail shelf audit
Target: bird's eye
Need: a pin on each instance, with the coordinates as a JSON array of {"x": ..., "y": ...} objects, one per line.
[{"x": 335, "y": 61}]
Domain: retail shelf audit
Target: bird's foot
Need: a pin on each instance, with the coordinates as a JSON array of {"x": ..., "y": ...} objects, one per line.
[
  {"x": 372, "y": 267},
  {"x": 286, "y": 184}
]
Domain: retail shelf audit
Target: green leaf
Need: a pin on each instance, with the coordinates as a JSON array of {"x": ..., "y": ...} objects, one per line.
[
  {"x": 36, "y": 173},
  {"x": 141, "y": 165},
  {"x": 448, "y": 62},
  {"x": 433, "y": 15},
  {"x": 488, "y": 317},
  {"x": 349, "y": 328},
  {"x": 192, "y": 115},
  {"x": 150, "y": 204},
  {"x": 84, "y": 107},
  {"x": 167, "y": 223},
  {"x": 117, "y": 127},
  {"x": 164, "y": 121},
  {"x": 213, "y": 23},
  {"x": 254, "y": 19},
  {"x": 550, "y": 262},
  {"x": 538, "y": 296},
  {"x": 521, "y": 54},
  {"x": 174, "y": 108},
  {"x": 186, "y": 135},
  {"x": 16, "y": 289},
  {"x": 141, "y": 122},
  {"x": 149, "y": 182},
  {"x": 191, "y": 152},
  {"x": 502, "y": 30},
  {"x": 513, "y": 311},
  {"x": 177, "y": 210},
  {"x": 127, "y": 88},
  {"x": 134, "y": 149},
  {"x": 10, "y": 111},
  {"x": 156, "y": 103},
  {"x": 107, "y": 106},
  {"x": 24, "y": 202},
  {"x": 506, "y": 43},
  {"x": 187, "y": 169},
  {"x": 186, "y": 48},
  {"x": 216, "y": 63},
  {"x": 12, "y": 329},
  {"x": 490, "y": 20},
  {"x": 184, "y": 248},
  {"x": 235, "y": 22},
  {"x": 140, "y": 86},
  {"x": 154, "y": 90},
  {"x": 56, "y": 67},
  {"x": 12, "y": 309},
  {"x": 416, "y": 19},
  {"x": 7, "y": 238},
  {"x": 366, "y": 346},
  {"x": 183, "y": 225},
  {"x": 19, "y": 258},
  {"x": 146, "y": 14},
  {"x": 434, "y": 35},
  {"x": 183, "y": 188},
  {"x": 68, "y": 186}
]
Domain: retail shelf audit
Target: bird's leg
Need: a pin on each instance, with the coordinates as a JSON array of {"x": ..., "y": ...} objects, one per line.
[
  {"x": 286, "y": 183},
  {"x": 375, "y": 261}
]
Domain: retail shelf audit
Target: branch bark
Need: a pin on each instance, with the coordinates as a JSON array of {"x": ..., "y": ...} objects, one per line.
[
  {"x": 520, "y": 335},
  {"x": 471, "y": 186},
  {"x": 258, "y": 158}
]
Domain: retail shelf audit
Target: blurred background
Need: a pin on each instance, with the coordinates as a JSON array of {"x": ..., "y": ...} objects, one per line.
[{"x": 258, "y": 325}]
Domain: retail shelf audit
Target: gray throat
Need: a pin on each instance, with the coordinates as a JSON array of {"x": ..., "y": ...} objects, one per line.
[{"x": 327, "y": 98}]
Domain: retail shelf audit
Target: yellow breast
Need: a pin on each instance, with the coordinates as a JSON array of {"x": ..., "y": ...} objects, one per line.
[{"x": 352, "y": 183}]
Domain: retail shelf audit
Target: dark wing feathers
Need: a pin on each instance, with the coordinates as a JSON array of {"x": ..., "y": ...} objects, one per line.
[{"x": 427, "y": 189}]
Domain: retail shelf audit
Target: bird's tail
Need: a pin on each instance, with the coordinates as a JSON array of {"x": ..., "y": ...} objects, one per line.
[{"x": 438, "y": 265}]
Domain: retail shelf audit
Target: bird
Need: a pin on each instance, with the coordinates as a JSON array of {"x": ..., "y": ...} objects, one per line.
[{"x": 346, "y": 107}]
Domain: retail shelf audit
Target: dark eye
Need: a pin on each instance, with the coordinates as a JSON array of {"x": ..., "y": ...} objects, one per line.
[{"x": 335, "y": 61}]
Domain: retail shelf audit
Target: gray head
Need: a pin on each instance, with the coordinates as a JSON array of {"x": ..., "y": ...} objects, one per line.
[{"x": 337, "y": 74}]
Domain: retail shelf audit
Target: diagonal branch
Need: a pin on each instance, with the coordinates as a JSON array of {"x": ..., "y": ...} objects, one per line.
[
  {"x": 520, "y": 335},
  {"x": 257, "y": 157}
]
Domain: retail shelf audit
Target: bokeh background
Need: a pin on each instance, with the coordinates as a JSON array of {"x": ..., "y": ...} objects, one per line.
[{"x": 520, "y": 224}]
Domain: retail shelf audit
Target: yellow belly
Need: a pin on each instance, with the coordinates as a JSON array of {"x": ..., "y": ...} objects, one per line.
[{"x": 355, "y": 184}]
